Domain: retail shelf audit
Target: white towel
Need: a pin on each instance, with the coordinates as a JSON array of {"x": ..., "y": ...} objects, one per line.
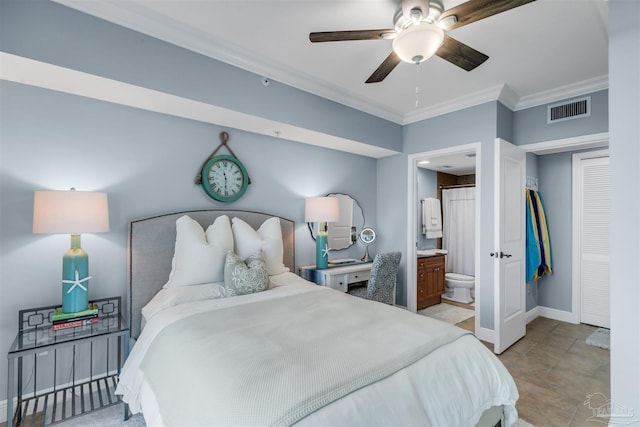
[{"x": 431, "y": 218}]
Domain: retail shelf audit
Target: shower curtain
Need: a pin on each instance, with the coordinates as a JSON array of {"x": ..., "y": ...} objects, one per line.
[{"x": 458, "y": 233}]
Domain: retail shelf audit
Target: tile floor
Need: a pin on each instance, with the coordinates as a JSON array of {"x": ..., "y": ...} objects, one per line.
[{"x": 555, "y": 370}]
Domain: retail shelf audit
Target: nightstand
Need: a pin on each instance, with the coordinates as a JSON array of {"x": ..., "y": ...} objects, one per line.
[
  {"x": 339, "y": 277},
  {"x": 66, "y": 373}
]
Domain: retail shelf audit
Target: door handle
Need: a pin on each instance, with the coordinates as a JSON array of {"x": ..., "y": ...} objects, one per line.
[{"x": 500, "y": 255}]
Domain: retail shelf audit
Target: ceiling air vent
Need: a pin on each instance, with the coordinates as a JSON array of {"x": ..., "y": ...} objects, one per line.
[{"x": 569, "y": 110}]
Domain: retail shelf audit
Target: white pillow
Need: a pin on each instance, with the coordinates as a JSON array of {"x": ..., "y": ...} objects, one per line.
[
  {"x": 199, "y": 257},
  {"x": 268, "y": 238}
]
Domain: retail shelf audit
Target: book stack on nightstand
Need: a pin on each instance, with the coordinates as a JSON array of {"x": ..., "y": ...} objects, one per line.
[{"x": 61, "y": 320}]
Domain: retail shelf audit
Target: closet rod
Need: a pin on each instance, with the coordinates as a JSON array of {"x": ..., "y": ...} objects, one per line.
[{"x": 444, "y": 187}]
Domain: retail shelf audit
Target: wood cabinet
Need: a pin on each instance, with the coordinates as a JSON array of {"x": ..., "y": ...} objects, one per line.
[{"x": 430, "y": 281}]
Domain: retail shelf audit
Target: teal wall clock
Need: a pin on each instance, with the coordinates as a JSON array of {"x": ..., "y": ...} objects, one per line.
[{"x": 223, "y": 177}]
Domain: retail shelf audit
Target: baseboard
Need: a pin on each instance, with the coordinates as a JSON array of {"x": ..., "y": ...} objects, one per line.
[
  {"x": 554, "y": 314},
  {"x": 533, "y": 314}
]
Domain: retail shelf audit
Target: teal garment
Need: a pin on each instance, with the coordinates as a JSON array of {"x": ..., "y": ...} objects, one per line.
[{"x": 533, "y": 247}]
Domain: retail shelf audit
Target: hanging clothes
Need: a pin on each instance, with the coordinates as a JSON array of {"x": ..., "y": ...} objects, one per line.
[{"x": 538, "y": 243}]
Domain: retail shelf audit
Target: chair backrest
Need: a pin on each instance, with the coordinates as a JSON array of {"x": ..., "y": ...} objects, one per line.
[{"x": 382, "y": 282}]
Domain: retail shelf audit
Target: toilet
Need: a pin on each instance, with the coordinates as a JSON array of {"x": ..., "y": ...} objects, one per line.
[{"x": 459, "y": 287}]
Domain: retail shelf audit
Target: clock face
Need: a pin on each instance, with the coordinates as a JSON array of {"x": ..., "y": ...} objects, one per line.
[{"x": 224, "y": 178}]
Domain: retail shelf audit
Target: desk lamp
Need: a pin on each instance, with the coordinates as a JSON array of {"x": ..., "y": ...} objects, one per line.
[
  {"x": 72, "y": 212},
  {"x": 322, "y": 210}
]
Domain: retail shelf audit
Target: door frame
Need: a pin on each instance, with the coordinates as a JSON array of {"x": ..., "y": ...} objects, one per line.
[
  {"x": 412, "y": 221},
  {"x": 582, "y": 142},
  {"x": 576, "y": 196}
]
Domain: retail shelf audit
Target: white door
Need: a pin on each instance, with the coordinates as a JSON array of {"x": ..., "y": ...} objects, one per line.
[
  {"x": 509, "y": 245},
  {"x": 593, "y": 211}
]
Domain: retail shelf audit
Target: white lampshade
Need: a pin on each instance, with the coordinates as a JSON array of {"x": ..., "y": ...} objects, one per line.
[
  {"x": 321, "y": 209},
  {"x": 70, "y": 212},
  {"x": 418, "y": 42}
]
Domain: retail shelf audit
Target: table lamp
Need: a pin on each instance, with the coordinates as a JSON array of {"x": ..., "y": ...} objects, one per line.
[
  {"x": 72, "y": 212},
  {"x": 322, "y": 210}
]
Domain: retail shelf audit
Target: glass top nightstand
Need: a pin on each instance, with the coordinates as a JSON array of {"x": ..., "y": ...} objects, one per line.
[{"x": 69, "y": 372}]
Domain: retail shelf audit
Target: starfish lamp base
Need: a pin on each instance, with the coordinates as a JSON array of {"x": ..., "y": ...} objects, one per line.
[
  {"x": 75, "y": 275},
  {"x": 322, "y": 251}
]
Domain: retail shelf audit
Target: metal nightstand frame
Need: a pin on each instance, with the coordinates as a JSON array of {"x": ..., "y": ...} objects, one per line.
[{"x": 63, "y": 400}]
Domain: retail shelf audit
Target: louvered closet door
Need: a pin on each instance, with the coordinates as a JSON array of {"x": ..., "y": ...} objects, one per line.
[{"x": 594, "y": 263}]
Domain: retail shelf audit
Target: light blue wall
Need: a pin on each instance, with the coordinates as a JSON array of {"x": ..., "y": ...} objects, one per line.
[
  {"x": 530, "y": 125},
  {"x": 624, "y": 152},
  {"x": 391, "y": 187},
  {"x": 505, "y": 123},
  {"x": 554, "y": 174},
  {"x": 427, "y": 187}
]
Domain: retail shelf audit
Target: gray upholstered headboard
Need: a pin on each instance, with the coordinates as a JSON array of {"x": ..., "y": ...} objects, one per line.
[{"x": 151, "y": 247}]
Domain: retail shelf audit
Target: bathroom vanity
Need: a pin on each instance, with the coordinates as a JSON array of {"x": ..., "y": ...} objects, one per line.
[{"x": 430, "y": 278}]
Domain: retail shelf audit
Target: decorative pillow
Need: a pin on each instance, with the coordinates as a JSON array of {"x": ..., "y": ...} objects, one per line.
[
  {"x": 199, "y": 256},
  {"x": 268, "y": 238},
  {"x": 245, "y": 277}
]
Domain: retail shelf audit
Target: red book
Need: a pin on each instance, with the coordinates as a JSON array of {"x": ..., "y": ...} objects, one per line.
[{"x": 74, "y": 324}]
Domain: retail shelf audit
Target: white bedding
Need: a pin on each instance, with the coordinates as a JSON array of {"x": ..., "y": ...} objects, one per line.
[{"x": 452, "y": 386}]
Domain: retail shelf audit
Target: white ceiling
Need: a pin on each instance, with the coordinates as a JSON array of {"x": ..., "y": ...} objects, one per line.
[
  {"x": 453, "y": 164},
  {"x": 540, "y": 52}
]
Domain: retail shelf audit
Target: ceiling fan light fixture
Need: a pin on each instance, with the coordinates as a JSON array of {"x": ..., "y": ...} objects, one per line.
[
  {"x": 418, "y": 42},
  {"x": 448, "y": 22}
]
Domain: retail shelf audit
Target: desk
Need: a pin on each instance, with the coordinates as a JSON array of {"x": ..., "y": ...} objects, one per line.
[
  {"x": 85, "y": 364},
  {"x": 338, "y": 277}
]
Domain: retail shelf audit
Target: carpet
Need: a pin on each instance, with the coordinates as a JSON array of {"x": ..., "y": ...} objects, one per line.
[
  {"x": 113, "y": 416},
  {"x": 447, "y": 313},
  {"x": 599, "y": 338}
]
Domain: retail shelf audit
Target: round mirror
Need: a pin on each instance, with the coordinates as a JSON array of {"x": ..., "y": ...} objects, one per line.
[
  {"x": 344, "y": 232},
  {"x": 367, "y": 235}
]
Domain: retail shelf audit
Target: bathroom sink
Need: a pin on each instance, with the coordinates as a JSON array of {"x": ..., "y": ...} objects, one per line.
[{"x": 431, "y": 252}]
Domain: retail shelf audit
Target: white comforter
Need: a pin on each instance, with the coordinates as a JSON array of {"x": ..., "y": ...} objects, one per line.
[{"x": 451, "y": 386}]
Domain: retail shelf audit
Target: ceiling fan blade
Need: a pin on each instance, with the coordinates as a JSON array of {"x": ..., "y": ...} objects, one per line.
[
  {"x": 408, "y": 5},
  {"x": 475, "y": 10},
  {"x": 384, "y": 69},
  {"x": 337, "y": 36},
  {"x": 460, "y": 54}
]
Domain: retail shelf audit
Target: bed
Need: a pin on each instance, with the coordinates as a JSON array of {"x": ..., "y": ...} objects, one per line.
[{"x": 294, "y": 353}]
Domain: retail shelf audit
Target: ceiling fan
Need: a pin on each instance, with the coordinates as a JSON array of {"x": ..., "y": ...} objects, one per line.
[{"x": 418, "y": 33}]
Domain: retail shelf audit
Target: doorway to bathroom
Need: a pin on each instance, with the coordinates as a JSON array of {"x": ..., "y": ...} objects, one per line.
[{"x": 449, "y": 177}]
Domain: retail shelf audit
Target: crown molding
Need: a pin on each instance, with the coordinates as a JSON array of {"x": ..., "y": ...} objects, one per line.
[
  {"x": 563, "y": 92},
  {"x": 470, "y": 100}
]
